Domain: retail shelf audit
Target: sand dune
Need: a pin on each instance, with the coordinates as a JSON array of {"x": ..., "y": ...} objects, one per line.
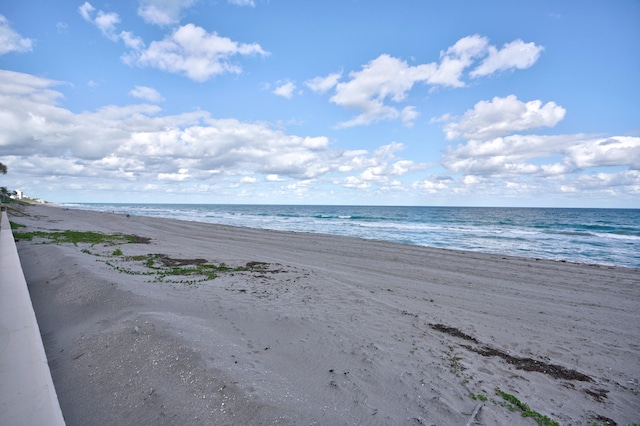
[{"x": 316, "y": 329}]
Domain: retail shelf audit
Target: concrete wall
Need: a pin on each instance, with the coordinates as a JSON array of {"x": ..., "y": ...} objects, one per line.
[{"x": 27, "y": 394}]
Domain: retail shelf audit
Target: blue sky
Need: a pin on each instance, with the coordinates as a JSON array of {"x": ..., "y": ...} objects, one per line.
[{"x": 483, "y": 103}]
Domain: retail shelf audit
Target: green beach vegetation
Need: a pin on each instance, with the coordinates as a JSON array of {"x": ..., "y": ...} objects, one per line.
[
  {"x": 75, "y": 237},
  {"x": 183, "y": 271},
  {"x": 514, "y": 404},
  {"x": 159, "y": 266}
]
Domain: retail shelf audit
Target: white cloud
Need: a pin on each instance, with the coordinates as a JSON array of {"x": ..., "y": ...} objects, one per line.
[
  {"x": 324, "y": 84},
  {"x": 621, "y": 184},
  {"x": 105, "y": 22},
  {"x": 273, "y": 178},
  {"x": 182, "y": 175},
  {"x": 163, "y": 12},
  {"x": 131, "y": 41},
  {"x": 147, "y": 93},
  {"x": 139, "y": 148},
  {"x": 285, "y": 90},
  {"x": 86, "y": 10},
  {"x": 614, "y": 151},
  {"x": 507, "y": 156},
  {"x": 29, "y": 86},
  {"x": 10, "y": 40},
  {"x": 388, "y": 79},
  {"x": 384, "y": 77},
  {"x": 516, "y": 54},
  {"x": 458, "y": 57},
  {"x": 470, "y": 180},
  {"x": 140, "y": 145},
  {"x": 192, "y": 51},
  {"x": 494, "y": 153},
  {"x": 409, "y": 114},
  {"x": 433, "y": 184},
  {"x": 502, "y": 116},
  {"x": 443, "y": 118},
  {"x": 189, "y": 50},
  {"x": 243, "y": 2},
  {"x": 543, "y": 156},
  {"x": 377, "y": 168}
]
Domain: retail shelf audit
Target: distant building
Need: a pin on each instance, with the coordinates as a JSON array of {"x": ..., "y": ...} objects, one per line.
[{"x": 19, "y": 195}]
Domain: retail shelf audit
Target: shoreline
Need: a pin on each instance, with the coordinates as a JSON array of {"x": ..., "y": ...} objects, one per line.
[
  {"x": 412, "y": 243},
  {"x": 324, "y": 329},
  {"x": 547, "y": 241}
]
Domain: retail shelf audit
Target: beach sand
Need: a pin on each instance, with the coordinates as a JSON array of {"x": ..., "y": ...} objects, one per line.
[{"x": 317, "y": 329}]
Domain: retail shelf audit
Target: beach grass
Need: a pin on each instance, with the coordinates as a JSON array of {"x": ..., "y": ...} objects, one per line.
[
  {"x": 162, "y": 267},
  {"x": 514, "y": 404},
  {"x": 166, "y": 269},
  {"x": 15, "y": 225},
  {"x": 76, "y": 237}
]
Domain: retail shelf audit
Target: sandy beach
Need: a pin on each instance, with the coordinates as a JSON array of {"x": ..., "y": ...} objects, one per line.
[{"x": 303, "y": 329}]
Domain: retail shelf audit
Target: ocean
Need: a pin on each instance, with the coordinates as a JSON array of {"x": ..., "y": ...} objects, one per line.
[{"x": 596, "y": 236}]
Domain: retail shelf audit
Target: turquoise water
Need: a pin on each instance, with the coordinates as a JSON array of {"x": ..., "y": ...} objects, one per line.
[{"x": 602, "y": 236}]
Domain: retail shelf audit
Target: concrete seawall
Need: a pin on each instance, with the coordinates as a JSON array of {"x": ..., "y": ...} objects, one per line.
[{"x": 27, "y": 394}]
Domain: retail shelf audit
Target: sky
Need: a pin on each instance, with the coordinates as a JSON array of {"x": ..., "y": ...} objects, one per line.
[{"x": 423, "y": 102}]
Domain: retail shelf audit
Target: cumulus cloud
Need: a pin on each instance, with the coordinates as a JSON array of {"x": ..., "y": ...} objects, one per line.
[
  {"x": 147, "y": 93},
  {"x": 508, "y": 156},
  {"x": 86, "y": 10},
  {"x": 273, "y": 178},
  {"x": 456, "y": 58},
  {"x": 381, "y": 168},
  {"x": 104, "y": 21},
  {"x": 517, "y": 54},
  {"x": 138, "y": 148},
  {"x": 324, "y": 84},
  {"x": 163, "y": 12},
  {"x": 131, "y": 41},
  {"x": 192, "y": 51},
  {"x": 36, "y": 89},
  {"x": 502, "y": 116},
  {"x": 433, "y": 184},
  {"x": 387, "y": 79},
  {"x": 383, "y": 78},
  {"x": 491, "y": 152},
  {"x": 285, "y": 90},
  {"x": 189, "y": 50},
  {"x": 228, "y": 144},
  {"x": 122, "y": 147},
  {"x": 183, "y": 174},
  {"x": 10, "y": 40},
  {"x": 614, "y": 151},
  {"x": 409, "y": 115},
  {"x": 621, "y": 183}
]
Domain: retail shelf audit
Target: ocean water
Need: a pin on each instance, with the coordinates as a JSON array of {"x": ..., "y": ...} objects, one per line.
[{"x": 601, "y": 236}]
